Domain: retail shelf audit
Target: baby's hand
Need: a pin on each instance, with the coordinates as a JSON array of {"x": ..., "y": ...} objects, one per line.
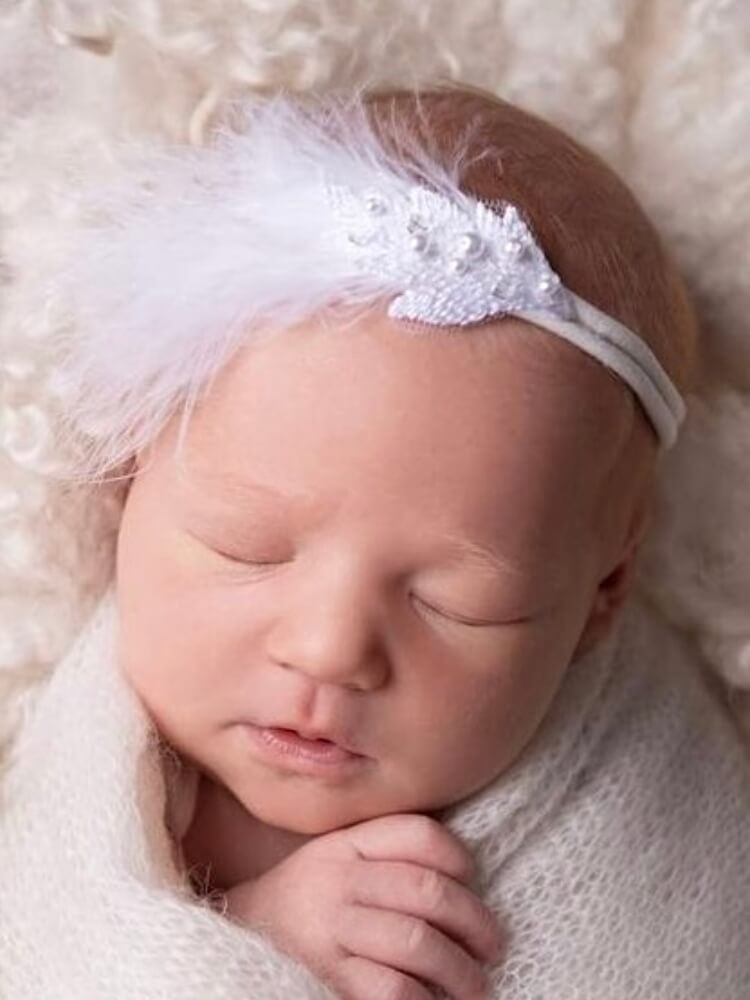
[{"x": 377, "y": 910}]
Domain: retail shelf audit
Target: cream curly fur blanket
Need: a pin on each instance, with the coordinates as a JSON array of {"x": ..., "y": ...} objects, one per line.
[{"x": 655, "y": 86}]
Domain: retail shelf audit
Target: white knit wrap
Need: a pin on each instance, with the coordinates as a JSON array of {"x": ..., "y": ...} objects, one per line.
[{"x": 616, "y": 848}]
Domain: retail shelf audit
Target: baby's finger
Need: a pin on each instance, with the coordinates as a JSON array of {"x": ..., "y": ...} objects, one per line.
[
  {"x": 359, "y": 978},
  {"x": 433, "y": 896},
  {"x": 412, "y": 837},
  {"x": 413, "y": 946}
]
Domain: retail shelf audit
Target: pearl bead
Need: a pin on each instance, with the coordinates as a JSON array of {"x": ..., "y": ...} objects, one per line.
[
  {"x": 514, "y": 247},
  {"x": 469, "y": 246},
  {"x": 457, "y": 265},
  {"x": 419, "y": 242}
]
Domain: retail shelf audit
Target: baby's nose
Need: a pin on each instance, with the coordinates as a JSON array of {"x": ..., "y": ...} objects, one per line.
[{"x": 333, "y": 637}]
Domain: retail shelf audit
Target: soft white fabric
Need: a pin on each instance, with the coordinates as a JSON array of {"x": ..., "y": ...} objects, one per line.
[
  {"x": 91, "y": 904},
  {"x": 616, "y": 848}
]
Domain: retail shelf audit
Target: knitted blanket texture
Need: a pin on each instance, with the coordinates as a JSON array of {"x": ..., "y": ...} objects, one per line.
[{"x": 615, "y": 848}]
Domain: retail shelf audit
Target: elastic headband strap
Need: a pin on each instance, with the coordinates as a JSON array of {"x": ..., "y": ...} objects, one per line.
[{"x": 617, "y": 347}]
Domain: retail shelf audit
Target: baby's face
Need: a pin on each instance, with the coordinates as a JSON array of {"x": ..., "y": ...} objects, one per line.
[{"x": 391, "y": 538}]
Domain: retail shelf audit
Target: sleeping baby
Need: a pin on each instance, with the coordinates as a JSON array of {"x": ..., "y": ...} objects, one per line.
[{"x": 372, "y": 708}]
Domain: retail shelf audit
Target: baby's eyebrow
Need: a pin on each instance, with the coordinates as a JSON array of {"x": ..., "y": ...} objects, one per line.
[
  {"x": 248, "y": 491},
  {"x": 481, "y": 556},
  {"x": 229, "y": 486}
]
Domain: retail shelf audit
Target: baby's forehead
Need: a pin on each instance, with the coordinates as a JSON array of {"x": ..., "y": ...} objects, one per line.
[
  {"x": 494, "y": 356},
  {"x": 516, "y": 391},
  {"x": 501, "y": 431}
]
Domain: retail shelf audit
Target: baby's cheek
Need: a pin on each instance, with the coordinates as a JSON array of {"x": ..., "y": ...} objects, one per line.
[
  {"x": 481, "y": 726},
  {"x": 155, "y": 661}
]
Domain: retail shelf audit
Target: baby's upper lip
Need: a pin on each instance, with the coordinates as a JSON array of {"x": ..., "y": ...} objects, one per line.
[{"x": 316, "y": 734}]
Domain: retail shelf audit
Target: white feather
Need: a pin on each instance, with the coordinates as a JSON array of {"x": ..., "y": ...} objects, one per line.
[{"x": 197, "y": 250}]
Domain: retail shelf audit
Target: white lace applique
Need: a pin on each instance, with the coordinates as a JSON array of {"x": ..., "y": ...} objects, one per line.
[{"x": 461, "y": 263}]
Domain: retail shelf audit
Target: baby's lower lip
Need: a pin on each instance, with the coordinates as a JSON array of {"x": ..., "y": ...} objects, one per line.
[{"x": 308, "y": 756}]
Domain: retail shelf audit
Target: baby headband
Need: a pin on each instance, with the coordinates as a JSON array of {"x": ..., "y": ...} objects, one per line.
[{"x": 194, "y": 251}]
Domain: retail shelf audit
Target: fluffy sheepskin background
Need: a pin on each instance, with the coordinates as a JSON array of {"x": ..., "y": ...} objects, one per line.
[{"x": 657, "y": 87}]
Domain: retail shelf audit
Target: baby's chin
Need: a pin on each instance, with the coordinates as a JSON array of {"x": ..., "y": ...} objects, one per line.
[
  {"x": 313, "y": 810},
  {"x": 304, "y": 806}
]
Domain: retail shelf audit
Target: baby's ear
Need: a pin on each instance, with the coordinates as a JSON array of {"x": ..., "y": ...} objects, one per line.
[{"x": 614, "y": 586}]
